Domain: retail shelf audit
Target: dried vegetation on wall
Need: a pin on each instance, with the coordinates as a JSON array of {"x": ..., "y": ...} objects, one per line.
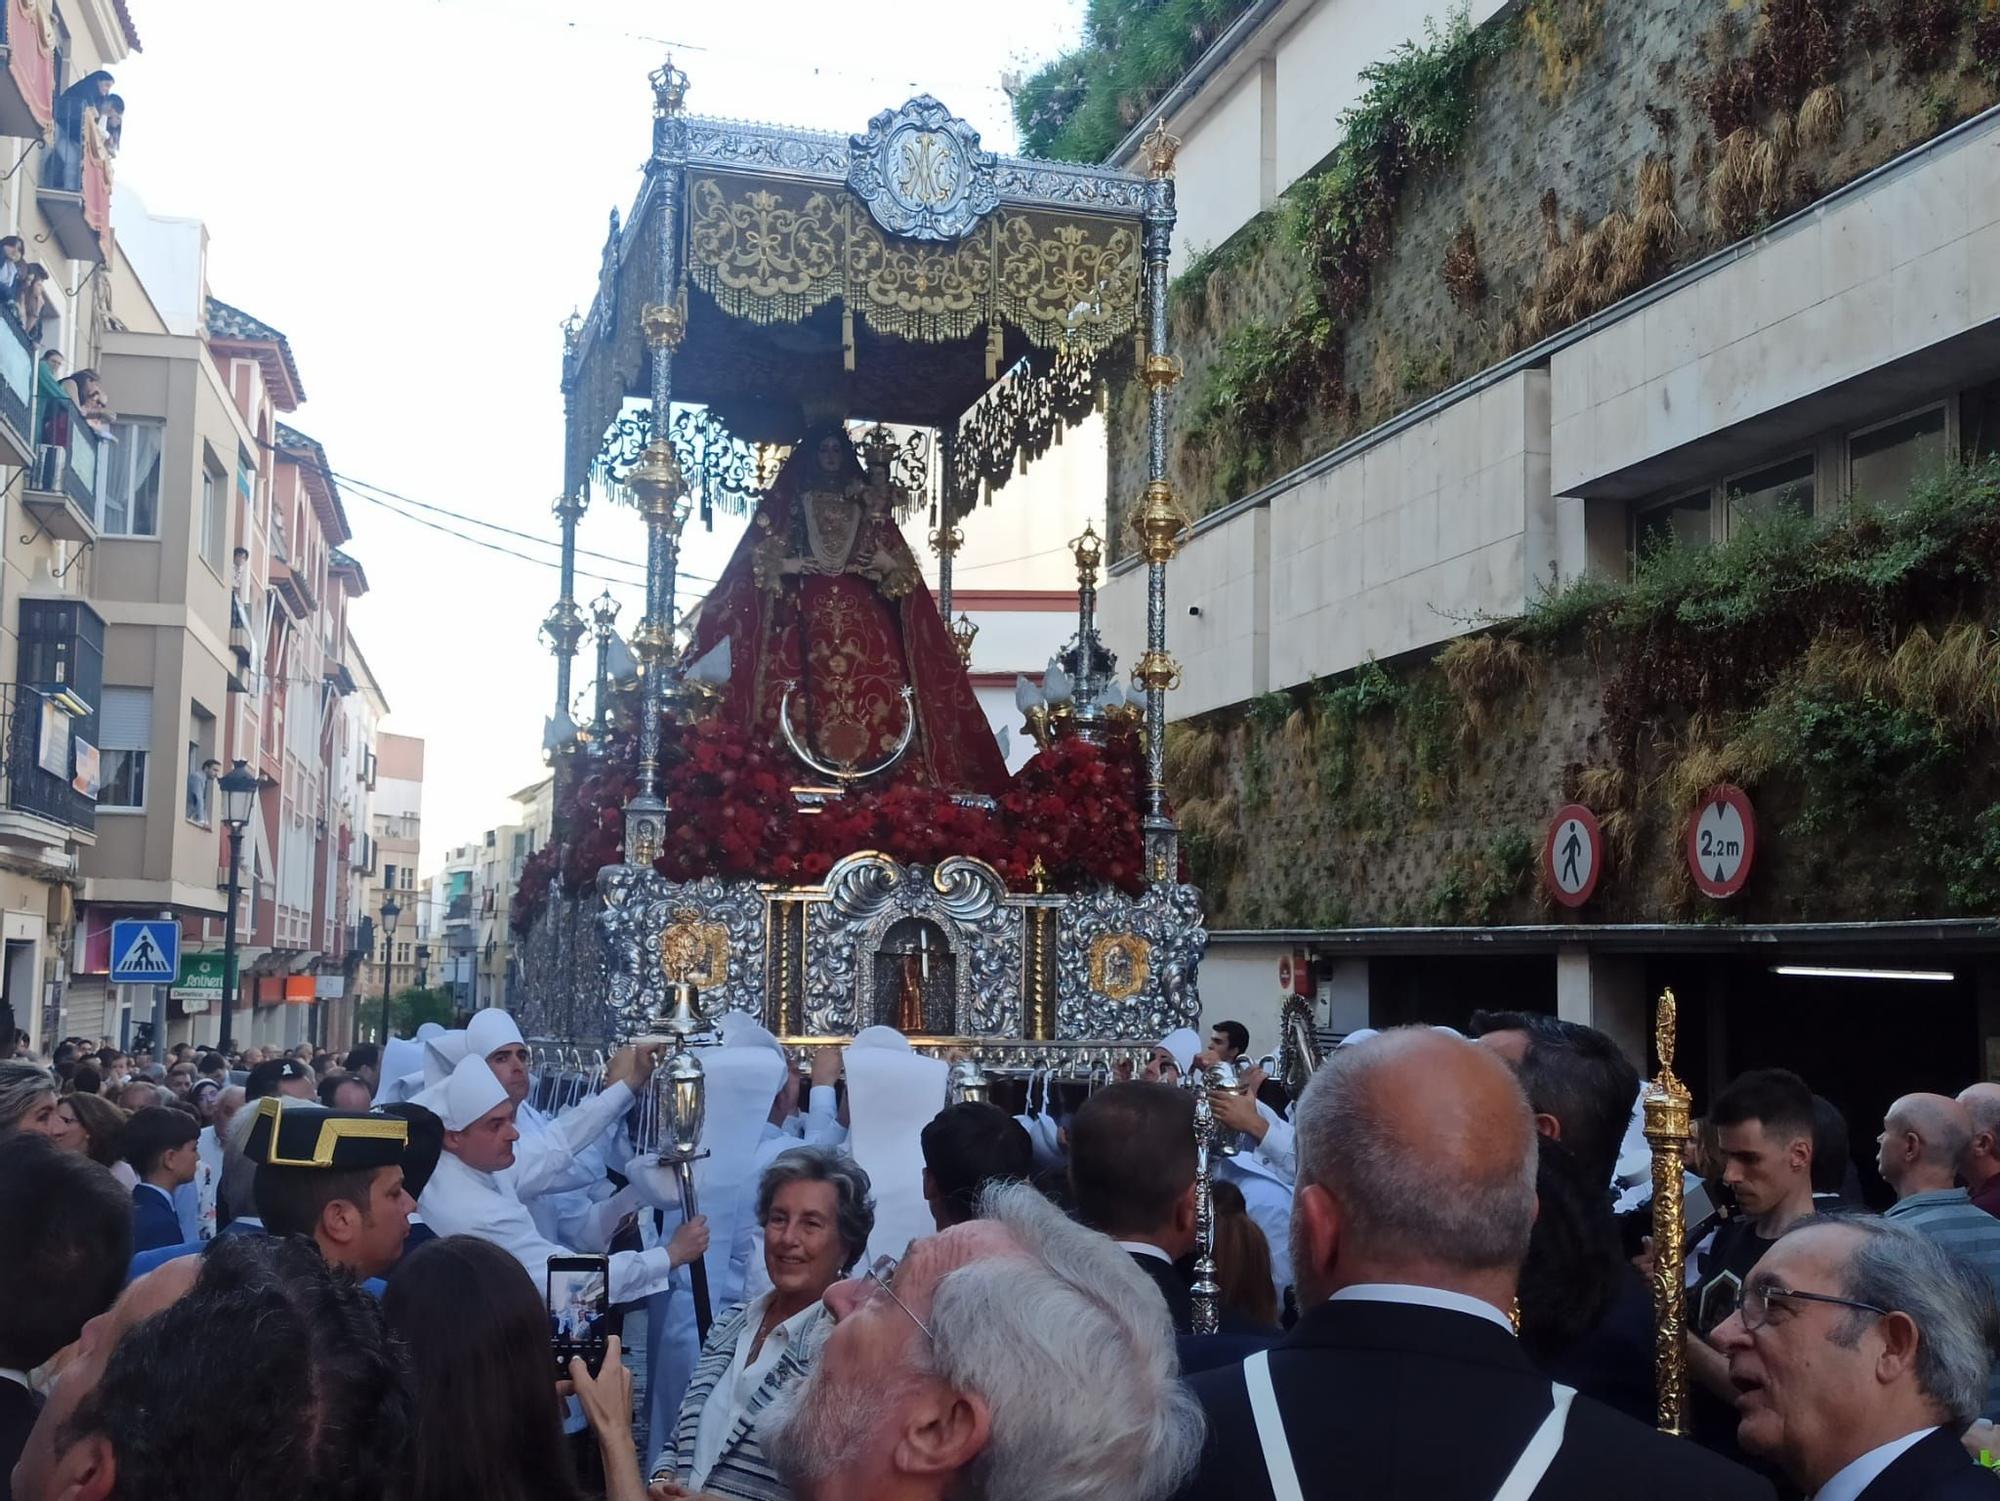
[
  {"x": 1846, "y": 672},
  {"x": 1495, "y": 186}
]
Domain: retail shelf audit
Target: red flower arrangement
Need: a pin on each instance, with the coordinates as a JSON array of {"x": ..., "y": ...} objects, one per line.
[{"x": 1077, "y": 807}]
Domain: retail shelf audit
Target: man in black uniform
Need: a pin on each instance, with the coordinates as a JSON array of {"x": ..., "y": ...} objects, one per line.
[
  {"x": 1403, "y": 1380},
  {"x": 1764, "y": 1128}
]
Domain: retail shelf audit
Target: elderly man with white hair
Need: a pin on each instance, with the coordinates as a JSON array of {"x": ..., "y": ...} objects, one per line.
[
  {"x": 1016, "y": 1357},
  {"x": 1403, "y": 1380}
]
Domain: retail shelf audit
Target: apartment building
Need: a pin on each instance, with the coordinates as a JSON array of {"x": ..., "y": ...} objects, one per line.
[
  {"x": 395, "y": 823},
  {"x": 450, "y": 932},
  {"x": 57, "y": 200},
  {"x": 220, "y": 579}
]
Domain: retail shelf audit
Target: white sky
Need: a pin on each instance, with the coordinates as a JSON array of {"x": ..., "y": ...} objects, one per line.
[{"x": 416, "y": 192}]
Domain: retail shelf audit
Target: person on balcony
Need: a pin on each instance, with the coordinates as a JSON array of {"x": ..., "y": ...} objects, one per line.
[
  {"x": 65, "y": 166},
  {"x": 112, "y": 118},
  {"x": 13, "y": 253},
  {"x": 31, "y": 303}
]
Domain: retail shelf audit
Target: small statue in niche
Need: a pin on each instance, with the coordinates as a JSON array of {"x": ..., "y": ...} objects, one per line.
[{"x": 915, "y": 979}]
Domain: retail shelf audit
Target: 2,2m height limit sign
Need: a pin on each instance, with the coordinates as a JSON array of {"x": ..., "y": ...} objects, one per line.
[{"x": 1722, "y": 842}]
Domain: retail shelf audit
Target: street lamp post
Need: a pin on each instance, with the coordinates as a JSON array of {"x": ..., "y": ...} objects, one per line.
[
  {"x": 240, "y": 787},
  {"x": 423, "y": 966},
  {"x": 390, "y": 912}
]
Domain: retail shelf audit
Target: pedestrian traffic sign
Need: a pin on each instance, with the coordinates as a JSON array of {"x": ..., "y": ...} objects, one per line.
[
  {"x": 199, "y": 984},
  {"x": 146, "y": 952},
  {"x": 1722, "y": 841},
  {"x": 1573, "y": 855}
]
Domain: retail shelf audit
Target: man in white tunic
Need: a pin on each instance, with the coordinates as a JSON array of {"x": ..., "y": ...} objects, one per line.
[{"x": 471, "y": 1194}]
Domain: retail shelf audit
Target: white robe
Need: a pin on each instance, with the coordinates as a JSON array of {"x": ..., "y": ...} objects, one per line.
[{"x": 461, "y": 1200}]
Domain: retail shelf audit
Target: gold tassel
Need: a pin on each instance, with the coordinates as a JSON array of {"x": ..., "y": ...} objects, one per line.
[
  {"x": 996, "y": 347},
  {"x": 1103, "y": 398},
  {"x": 1058, "y": 440},
  {"x": 847, "y": 335}
]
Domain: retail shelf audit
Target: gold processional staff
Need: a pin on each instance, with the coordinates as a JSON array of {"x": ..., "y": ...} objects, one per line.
[{"x": 1669, "y": 1117}]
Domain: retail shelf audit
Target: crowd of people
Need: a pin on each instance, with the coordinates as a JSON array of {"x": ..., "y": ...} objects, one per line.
[{"x": 1431, "y": 1271}]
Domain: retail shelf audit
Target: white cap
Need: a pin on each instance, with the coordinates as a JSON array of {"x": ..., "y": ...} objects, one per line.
[
  {"x": 1182, "y": 1044},
  {"x": 489, "y": 1031},
  {"x": 881, "y": 1037},
  {"x": 400, "y": 1056},
  {"x": 739, "y": 1029},
  {"x": 429, "y": 1030},
  {"x": 469, "y": 1093},
  {"x": 441, "y": 1055}
]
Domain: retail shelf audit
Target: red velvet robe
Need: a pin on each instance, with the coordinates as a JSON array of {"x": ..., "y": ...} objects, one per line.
[{"x": 851, "y": 650}]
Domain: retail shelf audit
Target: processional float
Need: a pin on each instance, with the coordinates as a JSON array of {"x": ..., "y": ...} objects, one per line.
[{"x": 773, "y": 296}]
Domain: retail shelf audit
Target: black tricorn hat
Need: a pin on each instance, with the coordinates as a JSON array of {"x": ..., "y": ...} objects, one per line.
[{"x": 293, "y": 1133}]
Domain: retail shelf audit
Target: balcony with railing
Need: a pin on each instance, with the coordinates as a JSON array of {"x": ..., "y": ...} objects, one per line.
[
  {"x": 75, "y": 191},
  {"x": 61, "y": 493},
  {"x": 17, "y": 392},
  {"x": 43, "y": 768},
  {"x": 28, "y": 81}
]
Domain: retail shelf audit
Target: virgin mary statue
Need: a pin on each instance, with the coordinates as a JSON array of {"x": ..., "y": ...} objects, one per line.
[{"x": 828, "y": 621}]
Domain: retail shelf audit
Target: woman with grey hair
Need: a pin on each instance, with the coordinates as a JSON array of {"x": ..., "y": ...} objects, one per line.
[
  {"x": 816, "y": 1212},
  {"x": 28, "y": 1100}
]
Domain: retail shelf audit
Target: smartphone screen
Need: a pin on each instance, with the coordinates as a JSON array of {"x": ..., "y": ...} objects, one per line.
[{"x": 579, "y": 1305}]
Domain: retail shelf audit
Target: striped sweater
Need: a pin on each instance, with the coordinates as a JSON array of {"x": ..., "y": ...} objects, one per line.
[{"x": 742, "y": 1471}]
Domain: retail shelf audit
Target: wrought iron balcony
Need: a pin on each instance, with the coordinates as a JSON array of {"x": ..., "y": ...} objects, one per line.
[
  {"x": 75, "y": 191},
  {"x": 38, "y": 737},
  {"x": 61, "y": 491},
  {"x": 17, "y": 393}
]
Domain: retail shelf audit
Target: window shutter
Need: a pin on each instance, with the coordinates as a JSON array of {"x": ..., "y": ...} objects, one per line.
[{"x": 125, "y": 719}]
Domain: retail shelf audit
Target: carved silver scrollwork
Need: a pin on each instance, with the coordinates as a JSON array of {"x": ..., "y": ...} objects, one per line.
[
  {"x": 723, "y": 921},
  {"x": 868, "y": 894},
  {"x": 743, "y": 146},
  {"x": 1166, "y": 922}
]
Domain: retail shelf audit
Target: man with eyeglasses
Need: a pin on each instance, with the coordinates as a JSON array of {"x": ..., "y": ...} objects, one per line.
[{"x": 1859, "y": 1352}]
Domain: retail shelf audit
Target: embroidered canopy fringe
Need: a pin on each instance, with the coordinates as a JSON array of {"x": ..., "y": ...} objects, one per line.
[{"x": 777, "y": 253}]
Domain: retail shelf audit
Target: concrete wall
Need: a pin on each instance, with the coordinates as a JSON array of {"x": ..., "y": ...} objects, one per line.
[
  {"x": 1387, "y": 551},
  {"x": 1905, "y": 270},
  {"x": 1272, "y": 112}
]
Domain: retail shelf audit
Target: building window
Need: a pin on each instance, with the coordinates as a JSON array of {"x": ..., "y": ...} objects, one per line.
[
  {"x": 1979, "y": 422},
  {"x": 1763, "y": 493},
  {"x": 1883, "y": 462},
  {"x": 200, "y": 757},
  {"x": 388, "y": 878},
  {"x": 213, "y": 516},
  {"x": 125, "y": 730},
  {"x": 128, "y": 504},
  {"x": 1683, "y": 522}
]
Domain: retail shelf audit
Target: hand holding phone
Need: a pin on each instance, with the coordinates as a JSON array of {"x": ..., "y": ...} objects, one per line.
[{"x": 579, "y": 1308}]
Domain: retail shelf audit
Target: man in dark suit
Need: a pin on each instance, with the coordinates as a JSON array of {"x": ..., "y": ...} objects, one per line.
[
  {"x": 65, "y": 1236},
  {"x": 159, "y": 1143},
  {"x": 1859, "y": 1350},
  {"x": 1131, "y": 1169},
  {"x": 1403, "y": 1380}
]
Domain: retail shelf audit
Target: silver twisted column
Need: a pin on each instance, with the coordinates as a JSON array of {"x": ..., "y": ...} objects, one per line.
[
  {"x": 1159, "y": 521},
  {"x": 655, "y": 482}
]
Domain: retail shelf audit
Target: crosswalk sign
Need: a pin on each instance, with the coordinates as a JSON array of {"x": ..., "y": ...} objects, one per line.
[{"x": 145, "y": 952}]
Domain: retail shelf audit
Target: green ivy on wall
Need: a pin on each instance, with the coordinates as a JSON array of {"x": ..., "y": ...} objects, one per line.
[{"x": 1079, "y": 107}]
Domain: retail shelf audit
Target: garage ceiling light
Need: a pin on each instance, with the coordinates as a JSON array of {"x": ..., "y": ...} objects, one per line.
[{"x": 1824, "y": 972}]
